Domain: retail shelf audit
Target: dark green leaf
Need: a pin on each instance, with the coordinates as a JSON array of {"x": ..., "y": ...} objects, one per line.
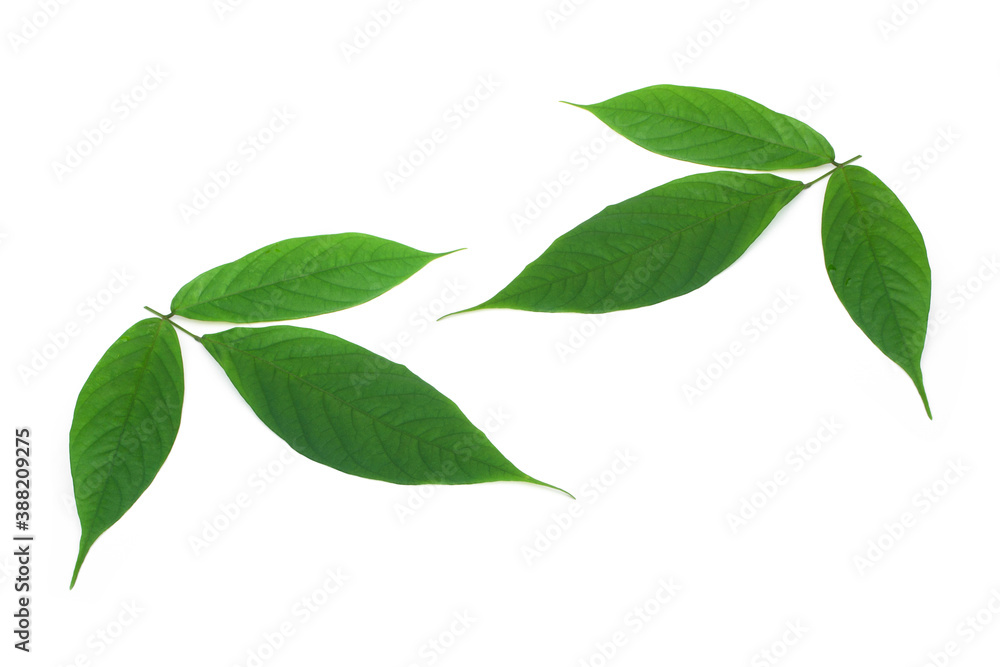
[
  {"x": 661, "y": 244},
  {"x": 877, "y": 262},
  {"x": 125, "y": 423},
  {"x": 343, "y": 406},
  {"x": 713, "y": 127},
  {"x": 300, "y": 278}
]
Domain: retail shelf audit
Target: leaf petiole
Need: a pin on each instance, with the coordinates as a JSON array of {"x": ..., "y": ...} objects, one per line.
[
  {"x": 836, "y": 166},
  {"x": 174, "y": 324}
]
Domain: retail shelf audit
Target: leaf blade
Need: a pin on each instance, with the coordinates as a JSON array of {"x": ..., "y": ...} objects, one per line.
[
  {"x": 300, "y": 277},
  {"x": 714, "y": 128},
  {"x": 124, "y": 425},
  {"x": 661, "y": 244},
  {"x": 877, "y": 263},
  {"x": 350, "y": 409}
]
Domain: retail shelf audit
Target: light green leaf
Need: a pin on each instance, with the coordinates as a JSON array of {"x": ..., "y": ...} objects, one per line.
[
  {"x": 125, "y": 423},
  {"x": 345, "y": 407},
  {"x": 713, "y": 127},
  {"x": 877, "y": 262},
  {"x": 300, "y": 278},
  {"x": 658, "y": 245}
]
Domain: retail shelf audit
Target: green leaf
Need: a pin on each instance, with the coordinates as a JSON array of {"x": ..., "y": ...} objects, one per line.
[
  {"x": 713, "y": 127},
  {"x": 345, "y": 407},
  {"x": 877, "y": 262},
  {"x": 299, "y": 278},
  {"x": 658, "y": 245},
  {"x": 125, "y": 423}
]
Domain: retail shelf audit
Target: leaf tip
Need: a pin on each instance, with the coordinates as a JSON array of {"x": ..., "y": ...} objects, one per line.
[
  {"x": 459, "y": 312},
  {"x": 551, "y": 486},
  {"x": 450, "y": 252},
  {"x": 923, "y": 397},
  {"x": 918, "y": 382},
  {"x": 79, "y": 564}
]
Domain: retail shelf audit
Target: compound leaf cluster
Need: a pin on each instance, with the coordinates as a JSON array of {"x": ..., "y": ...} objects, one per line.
[
  {"x": 331, "y": 400},
  {"x": 675, "y": 238}
]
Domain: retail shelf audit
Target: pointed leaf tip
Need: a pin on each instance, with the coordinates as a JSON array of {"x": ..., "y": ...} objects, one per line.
[
  {"x": 554, "y": 487},
  {"x": 459, "y": 312}
]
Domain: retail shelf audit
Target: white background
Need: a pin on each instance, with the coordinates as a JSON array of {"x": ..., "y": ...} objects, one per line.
[{"x": 565, "y": 416}]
